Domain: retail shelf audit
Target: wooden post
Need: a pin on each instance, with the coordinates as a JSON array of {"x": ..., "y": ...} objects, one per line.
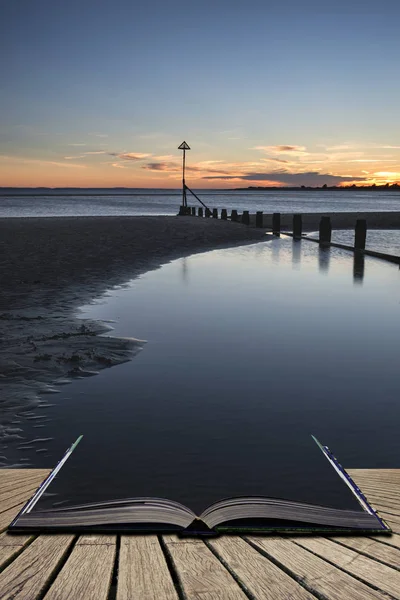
[
  {"x": 208, "y": 212},
  {"x": 224, "y": 214},
  {"x": 297, "y": 227},
  {"x": 246, "y": 217},
  {"x": 325, "y": 231},
  {"x": 259, "y": 218},
  {"x": 182, "y": 210},
  {"x": 234, "y": 215},
  {"x": 215, "y": 213},
  {"x": 360, "y": 234},
  {"x": 276, "y": 223},
  {"x": 193, "y": 211},
  {"x": 200, "y": 211}
]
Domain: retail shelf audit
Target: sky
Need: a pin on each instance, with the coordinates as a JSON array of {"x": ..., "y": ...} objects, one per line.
[{"x": 101, "y": 94}]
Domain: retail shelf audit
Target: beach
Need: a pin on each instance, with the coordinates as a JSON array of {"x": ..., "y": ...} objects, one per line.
[{"x": 51, "y": 266}]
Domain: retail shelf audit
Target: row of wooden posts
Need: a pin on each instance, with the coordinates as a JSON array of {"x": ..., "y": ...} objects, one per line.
[{"x": 325, "y": 226}]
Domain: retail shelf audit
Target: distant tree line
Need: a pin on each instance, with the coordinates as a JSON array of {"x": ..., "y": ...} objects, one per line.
[{"x": 387, "y": 187}]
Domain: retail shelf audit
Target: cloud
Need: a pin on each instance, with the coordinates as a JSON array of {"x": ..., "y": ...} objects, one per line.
[
  {"x": 100, "y": 135},
  {"x": 118, "y": 166},
  {"x": 284, "y": 149},
  {"x": 79, "y": 144},
  {"x": 130, "y": 155},
  {"x": 310, "y": 178},
  {"x": 73, "y": 157},
  {"x": 162, "y": 166}
]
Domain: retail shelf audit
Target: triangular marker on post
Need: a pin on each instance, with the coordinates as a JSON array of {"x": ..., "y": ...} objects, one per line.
[{"x": 184, "y": 146}]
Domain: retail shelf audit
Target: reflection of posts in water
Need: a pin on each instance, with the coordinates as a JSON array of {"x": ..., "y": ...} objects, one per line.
[
  {"x": 358, "y": 267},
  {"x": 324, "y": 256},
  {"x": 185, "y": 270},
  {"x": 275, "y": 250},
  {"x": 296, "y": 253}
]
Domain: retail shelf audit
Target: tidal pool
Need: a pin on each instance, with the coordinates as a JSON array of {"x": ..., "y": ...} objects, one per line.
[{"x": 249, "y": 351}]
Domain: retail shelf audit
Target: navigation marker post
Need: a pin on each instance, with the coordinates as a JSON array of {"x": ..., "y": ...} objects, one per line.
[{"x": 184, "y": 146}]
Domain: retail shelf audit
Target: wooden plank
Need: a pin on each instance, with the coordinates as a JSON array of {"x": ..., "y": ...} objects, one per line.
[
  {"x": 7, "y": 475},
  {"x": 373, "y": 548},
  {"x": 11, "y": 545},
  {"x": 383, "y": 504},
  {"x": 383, "y": 489},
  {"x": 381, "y": 576},
  {"x": 8, "y": 515},
  {"x": 258, "y": 574},
  {"x": 389, "y": 474},
  {"x": 26, "y": 491},
  {"x": 88, "y": 570},
  {"x": 391, "y": 540},
  {"x": 19, "y": 497},
  {"x": 200, "y": 573},
  {"x": 315, "y": 573},
  {"x": 10, "y": 487},
  {"x": 394, "y": 526},
  {"x": 27, "y": 576},
  {"x": 143, "y": 572},
  {"x": 385, "y": 516}
]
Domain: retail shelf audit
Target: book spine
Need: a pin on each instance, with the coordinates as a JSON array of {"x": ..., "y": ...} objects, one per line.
[
  {"x": 44, "y": 485},
  {"x": 350, "y": 483}
]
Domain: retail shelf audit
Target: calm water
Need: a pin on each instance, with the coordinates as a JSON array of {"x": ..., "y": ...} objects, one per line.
[
  {"x": 249, "y": 351},
  {"x": 166, "y": 202}
]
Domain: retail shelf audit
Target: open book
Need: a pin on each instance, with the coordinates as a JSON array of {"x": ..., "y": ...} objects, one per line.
[{"x": 232, "y": 515}]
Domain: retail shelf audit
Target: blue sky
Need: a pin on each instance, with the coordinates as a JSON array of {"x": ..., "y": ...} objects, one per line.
[{"x": 97, "y": 93}]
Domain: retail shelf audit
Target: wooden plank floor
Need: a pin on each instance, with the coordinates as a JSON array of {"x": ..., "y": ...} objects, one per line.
[{"x": 111, "y": 567}]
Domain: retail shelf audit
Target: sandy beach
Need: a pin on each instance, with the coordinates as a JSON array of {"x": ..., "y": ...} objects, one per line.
[{"x": 51, "y": 266}]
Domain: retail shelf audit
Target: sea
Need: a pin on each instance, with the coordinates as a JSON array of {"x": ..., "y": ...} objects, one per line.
[
  {"x": 102, "y": 202},
  {"x": 27, "y": 202}
]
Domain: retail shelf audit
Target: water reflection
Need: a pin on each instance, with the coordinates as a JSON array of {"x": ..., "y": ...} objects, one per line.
[
  {"x": 358, "y": 268},
  {"x": 185, "y": 270},
  {"x": 296, "y": 254},
  {"x": 324, "y": 257}
]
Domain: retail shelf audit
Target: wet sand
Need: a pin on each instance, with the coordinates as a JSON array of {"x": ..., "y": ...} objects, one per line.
[{"x": 51, "y": 266}]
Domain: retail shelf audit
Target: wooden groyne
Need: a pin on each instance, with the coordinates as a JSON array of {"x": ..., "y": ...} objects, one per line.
[
  {"x": 165, "y": 567},
  {"x": 295, "y": 224},
  {"x": 310, "y": 221}
]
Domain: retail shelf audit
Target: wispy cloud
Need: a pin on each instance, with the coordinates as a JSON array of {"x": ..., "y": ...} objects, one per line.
[
  {"x": 77, "y": 144},
  {"x": 100, "y": 135},
  {"x": 282, "y": 149},
  {"x": 310, "y": 178},
  {"x": 130, "y": 155}
]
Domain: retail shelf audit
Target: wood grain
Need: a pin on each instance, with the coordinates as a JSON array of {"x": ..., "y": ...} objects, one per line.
[
  {"x": 8, "y": 515},
  {"x": 381, "y": 576},
  {"x": 10, "y": 545},
  {"x": 258, "y": 574},
  {"x": 201, "y": 574},
  {"x": 316, "y": 574},
  {"x": 143, "y": 572},
  {"x": 373, "y": 548},
  {"x": 26, "y": 577},
  {"x": 87, "y": 572}
]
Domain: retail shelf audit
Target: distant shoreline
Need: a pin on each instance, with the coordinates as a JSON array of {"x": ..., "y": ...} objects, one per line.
[{"x": 122, "y": 191}]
